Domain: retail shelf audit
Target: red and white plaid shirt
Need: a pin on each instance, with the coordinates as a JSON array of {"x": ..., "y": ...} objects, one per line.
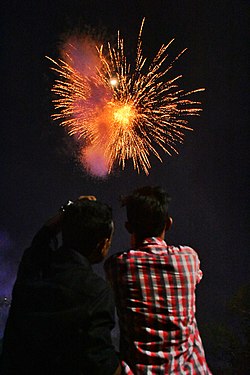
[{"x": 154, "y": 288}]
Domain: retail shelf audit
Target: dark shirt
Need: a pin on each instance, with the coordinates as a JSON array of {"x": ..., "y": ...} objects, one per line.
[{"x": 61, "y": 315}]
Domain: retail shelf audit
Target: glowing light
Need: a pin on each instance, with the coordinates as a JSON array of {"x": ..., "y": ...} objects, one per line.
[
  {"x": 113, "y": 82},
  {"x": 123, "y": 113}
]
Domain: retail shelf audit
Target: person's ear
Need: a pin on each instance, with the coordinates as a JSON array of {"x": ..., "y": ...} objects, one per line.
[
  {"x": 169, "y": 223},
  {"x": 104, "y": 246},
  {"x": 100, "y": 251},
  {"x": 128, "y": 227}
]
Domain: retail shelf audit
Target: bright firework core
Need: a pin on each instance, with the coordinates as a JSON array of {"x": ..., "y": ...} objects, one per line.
[
  {"x": 119, "y": 113},
  {"x": 124, "y": 115}
]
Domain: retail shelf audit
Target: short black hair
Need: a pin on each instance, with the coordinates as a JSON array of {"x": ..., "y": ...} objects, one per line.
[
  {"x": 147, "y": 210},
  {"x": 85, "y": 224}
]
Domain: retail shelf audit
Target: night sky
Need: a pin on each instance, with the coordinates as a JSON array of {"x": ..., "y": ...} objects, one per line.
[{"x": 207, "y": 180}]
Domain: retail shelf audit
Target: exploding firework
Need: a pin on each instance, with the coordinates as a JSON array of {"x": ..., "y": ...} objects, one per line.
[{"x": 118, "y": 112}]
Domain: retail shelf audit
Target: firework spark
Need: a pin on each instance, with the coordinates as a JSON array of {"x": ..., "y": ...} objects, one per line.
[{"x": 119, "y": 112}]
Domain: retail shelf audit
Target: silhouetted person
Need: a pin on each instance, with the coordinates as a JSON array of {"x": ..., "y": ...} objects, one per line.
[
  {"x": 62, "y": 312},
  {"x": 154, "y": 285}
]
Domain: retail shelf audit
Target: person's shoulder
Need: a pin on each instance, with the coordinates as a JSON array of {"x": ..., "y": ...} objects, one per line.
[
  {"x": 118, "y": 258},
  {"x": 113, "y": 258},
  {"x": 97, "y": 281},
  {"x": 82, "y": 279},
  {"x": 182, "y": 249},
  {"x": 122, "y": 255}
]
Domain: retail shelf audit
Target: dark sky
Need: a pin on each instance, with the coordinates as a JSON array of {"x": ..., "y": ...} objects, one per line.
[{"x": 207, "y": 180}]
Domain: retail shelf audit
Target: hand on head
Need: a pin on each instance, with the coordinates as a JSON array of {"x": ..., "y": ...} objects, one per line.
[
  {"x": 55, "y": 222},
  {"x": 89, "y": 197}
]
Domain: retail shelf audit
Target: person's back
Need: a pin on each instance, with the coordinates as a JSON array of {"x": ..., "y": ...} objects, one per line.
[
  {"x": 154, "y": 286},
  {"x": 62, "y": 312}
]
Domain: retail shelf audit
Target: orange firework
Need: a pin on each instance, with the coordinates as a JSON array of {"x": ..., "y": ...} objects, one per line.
[{"x": 123, "y": 113}]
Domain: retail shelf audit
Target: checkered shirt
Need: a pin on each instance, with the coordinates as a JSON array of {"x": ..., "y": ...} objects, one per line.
[{"x": 154, "y": 288}]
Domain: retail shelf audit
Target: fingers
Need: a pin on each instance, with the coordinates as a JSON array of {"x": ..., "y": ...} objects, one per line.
[{"x": 89, "y": 197}]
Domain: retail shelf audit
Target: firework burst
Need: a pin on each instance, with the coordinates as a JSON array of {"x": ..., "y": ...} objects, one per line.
[{"x": 119, "y": 112}]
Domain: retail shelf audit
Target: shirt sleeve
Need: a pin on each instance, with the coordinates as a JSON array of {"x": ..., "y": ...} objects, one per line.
[
  {"x": 100, "y": 357},
  {"x": 37, "y": 255},
  {"x": 42, "y": 237},
  {"x": 199, "y": 273}
]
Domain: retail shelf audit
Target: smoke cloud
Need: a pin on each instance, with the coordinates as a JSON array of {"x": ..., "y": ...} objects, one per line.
[{"x": 91, "y": 113}]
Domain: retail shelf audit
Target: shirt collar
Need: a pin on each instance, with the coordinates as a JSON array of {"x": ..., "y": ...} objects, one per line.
[
  {"x": 69, "y": 254},
  {"x": 154, "y": 241}
]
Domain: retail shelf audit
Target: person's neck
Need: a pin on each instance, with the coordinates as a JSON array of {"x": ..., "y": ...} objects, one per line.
[{"x": 135, "y": 241}]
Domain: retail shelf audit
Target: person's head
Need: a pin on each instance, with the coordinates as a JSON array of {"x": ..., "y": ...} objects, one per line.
[
  {"x": 147, "y": 212},
  {"x": 87, "y": 227}
]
